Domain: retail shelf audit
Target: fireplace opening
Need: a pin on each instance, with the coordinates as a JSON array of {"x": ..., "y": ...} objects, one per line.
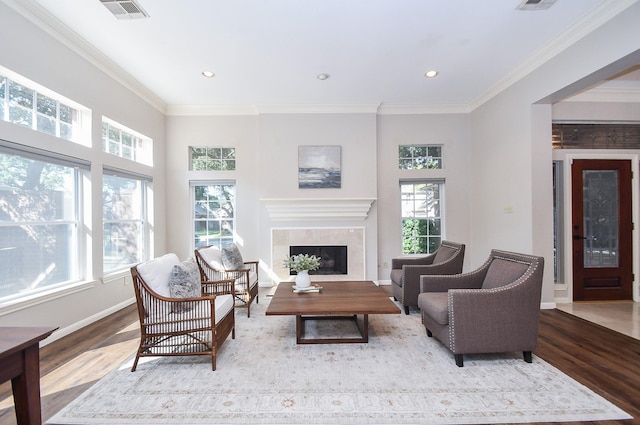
[{"x": 333, "y": 258}]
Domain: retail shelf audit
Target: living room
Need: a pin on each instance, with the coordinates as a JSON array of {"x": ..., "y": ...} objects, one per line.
[{"x": 496, "y": 151}]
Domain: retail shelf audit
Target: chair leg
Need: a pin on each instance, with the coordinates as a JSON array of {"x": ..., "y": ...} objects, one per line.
[
  {"x": 135, "y": 362},
  {"x": 406, "y": 310},
  {"x": 527, "y": 356},
  {"x": 459, "y": 360}
]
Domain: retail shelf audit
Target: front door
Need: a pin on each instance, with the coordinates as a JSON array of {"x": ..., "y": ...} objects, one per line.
[{"x": 601, "y": 229}]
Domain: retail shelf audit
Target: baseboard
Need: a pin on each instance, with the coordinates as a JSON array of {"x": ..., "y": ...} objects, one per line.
[
  {"x": 547, "y": 306},
  {"x": 60, "y": 333},
  {"x": 263, "y": 284},
  {"x": 386, "y": 282}
]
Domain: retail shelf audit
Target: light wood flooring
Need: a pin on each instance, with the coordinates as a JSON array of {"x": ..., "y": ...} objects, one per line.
[{"x": 603, "y": 360}]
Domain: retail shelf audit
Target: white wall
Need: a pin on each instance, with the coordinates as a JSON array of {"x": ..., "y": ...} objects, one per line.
[
  {"x": 280, "y": 136},
  {"x": 509, "y": 170},
  {"x": 497, "y": 159},
  {"x": 267, "y": 167},
  {"x": 32, "y": 53},
  {"x": 240, "y": 132},
  {"x": 594, "y": 111},
  {"x": 452, "y": 132}
]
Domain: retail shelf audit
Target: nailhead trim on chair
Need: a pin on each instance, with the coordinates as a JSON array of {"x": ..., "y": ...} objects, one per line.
[{"x": 532, "y": 259}]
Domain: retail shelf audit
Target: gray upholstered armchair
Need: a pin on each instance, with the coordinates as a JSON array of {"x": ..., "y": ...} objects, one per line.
[
  {"x": 494, "y": 309},
  {"x": 406, "y": 272}
]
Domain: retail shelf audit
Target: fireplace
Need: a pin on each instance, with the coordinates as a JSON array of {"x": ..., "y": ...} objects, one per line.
[
  {"x": 333, "y": 258},
  {"x": 352, "y": 238}
]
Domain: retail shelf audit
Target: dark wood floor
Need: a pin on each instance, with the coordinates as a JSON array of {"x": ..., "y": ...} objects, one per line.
[{"x": 603, "y": 360}]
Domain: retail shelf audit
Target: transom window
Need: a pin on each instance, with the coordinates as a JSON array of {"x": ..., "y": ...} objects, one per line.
[
  {"x": 39, "y": 221},
  {"x": 121, "y": 141},
  {"x": 213, "y": 213},
  {"x": 24, "y": 103},
  {"x": 212, "y": 159},
  {"x": 418, "y": 157},
  {"x": 421, "y": 205}
]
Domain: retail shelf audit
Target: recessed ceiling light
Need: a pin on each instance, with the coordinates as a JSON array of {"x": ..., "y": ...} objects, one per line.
[
  {"x": 323, "y": 76},
  {"x": 208, "y": 74},
  {"x": 431, "y": 74}
]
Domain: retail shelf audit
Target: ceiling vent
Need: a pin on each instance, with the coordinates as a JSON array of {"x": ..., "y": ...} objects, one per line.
[
  {"x": 125, "y": 9},
  {"x": 535, "y": 4}
]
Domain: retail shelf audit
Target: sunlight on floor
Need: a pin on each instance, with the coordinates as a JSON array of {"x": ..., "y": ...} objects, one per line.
[{"x": 621, "y": 316}]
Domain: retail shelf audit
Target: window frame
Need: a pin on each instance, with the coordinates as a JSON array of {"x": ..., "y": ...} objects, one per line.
[
  {"x": 430, "y": 248},
  {"x": 221, "y": 159},
  {"x": 412, "y": 162},
  {"x": 80, "y": 127},
  {"x": 144, "y": 236},
  {"x": 141, "y": 145},
  {"x": 222, "y": 241},
  {"x": 76, "y": 240}
]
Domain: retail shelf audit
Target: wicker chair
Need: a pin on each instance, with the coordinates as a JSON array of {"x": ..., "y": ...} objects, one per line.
[
  {"x": 245, "y": 274},
  {"x": 406, "y": 272},
  {"x": 170, "y": 326},
  {"x": 494, "y": 309}
]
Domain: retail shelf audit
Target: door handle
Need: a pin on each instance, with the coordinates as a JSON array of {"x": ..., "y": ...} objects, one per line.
[{"x": 578, "y": 237}]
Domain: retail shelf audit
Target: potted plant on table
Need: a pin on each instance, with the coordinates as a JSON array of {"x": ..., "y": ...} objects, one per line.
[{"x": 302, "y": 264}]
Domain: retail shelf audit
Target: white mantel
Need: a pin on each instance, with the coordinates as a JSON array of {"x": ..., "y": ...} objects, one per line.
[{"x": 311, "y": 209}]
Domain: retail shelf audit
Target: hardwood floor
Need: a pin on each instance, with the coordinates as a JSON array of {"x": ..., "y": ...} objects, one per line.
[{"x": 603, "y": 360}]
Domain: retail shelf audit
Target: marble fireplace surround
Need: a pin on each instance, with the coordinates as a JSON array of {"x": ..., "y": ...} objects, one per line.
[
  {"x": 352, "y": 237},
  {"x": 336, "y": 215}
]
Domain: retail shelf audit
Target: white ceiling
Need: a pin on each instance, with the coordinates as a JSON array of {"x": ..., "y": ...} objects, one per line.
[{"x": 375, "y": 51}]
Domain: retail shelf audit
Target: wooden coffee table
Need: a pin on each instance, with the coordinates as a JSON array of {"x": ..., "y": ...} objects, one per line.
[{"x": 337, "y": 300}]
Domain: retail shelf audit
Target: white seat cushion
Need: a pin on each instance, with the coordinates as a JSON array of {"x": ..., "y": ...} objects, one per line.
[{"x": 224, "y": 304}]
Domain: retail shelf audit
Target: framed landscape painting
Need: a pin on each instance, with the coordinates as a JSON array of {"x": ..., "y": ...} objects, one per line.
[{"x": 319, "y": 167}]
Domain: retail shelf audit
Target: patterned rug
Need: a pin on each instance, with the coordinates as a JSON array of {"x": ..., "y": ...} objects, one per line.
[{"x": 400, "y": 377}]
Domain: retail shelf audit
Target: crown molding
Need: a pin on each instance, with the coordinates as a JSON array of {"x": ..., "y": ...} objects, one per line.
[
  {"x": 201, "y": 110},
  {"x": 317, "y": 108},
  {"x": 257, "y": 109},
  {"x": 305, "y": 209},
  {"x": 37, "y": 15},
  {"x": 607, "y": 94},
  {"x": 204, "y": 110},
  {"x": 577, "y": 31},
  {"x": 423, "y": 109}
]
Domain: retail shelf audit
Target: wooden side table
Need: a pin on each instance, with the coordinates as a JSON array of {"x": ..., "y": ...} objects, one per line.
[{"x": 20, "y": 362}]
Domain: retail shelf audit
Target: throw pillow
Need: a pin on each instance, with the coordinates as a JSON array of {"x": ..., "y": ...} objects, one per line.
[
  {"x": 184, "y": 282},
  {"x": 231, "y": 258}
]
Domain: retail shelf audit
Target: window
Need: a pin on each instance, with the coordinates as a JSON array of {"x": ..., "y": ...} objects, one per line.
[
  {"x": 558, "y": 222},
  {"x": 25, "y": 103},
  {"x": 213, "y": 213},
  {"x": 418, "y": 157},
  {"x": 125, "y": 143},
  {"x": 212, "y": 159},
  {"x": 124, "y": 220},
  {"x": 39, "y": 220},
  {"x": 421, "y": 205}
]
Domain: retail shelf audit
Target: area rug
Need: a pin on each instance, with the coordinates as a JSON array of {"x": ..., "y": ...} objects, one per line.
[{"x": 400, "y": 377}]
